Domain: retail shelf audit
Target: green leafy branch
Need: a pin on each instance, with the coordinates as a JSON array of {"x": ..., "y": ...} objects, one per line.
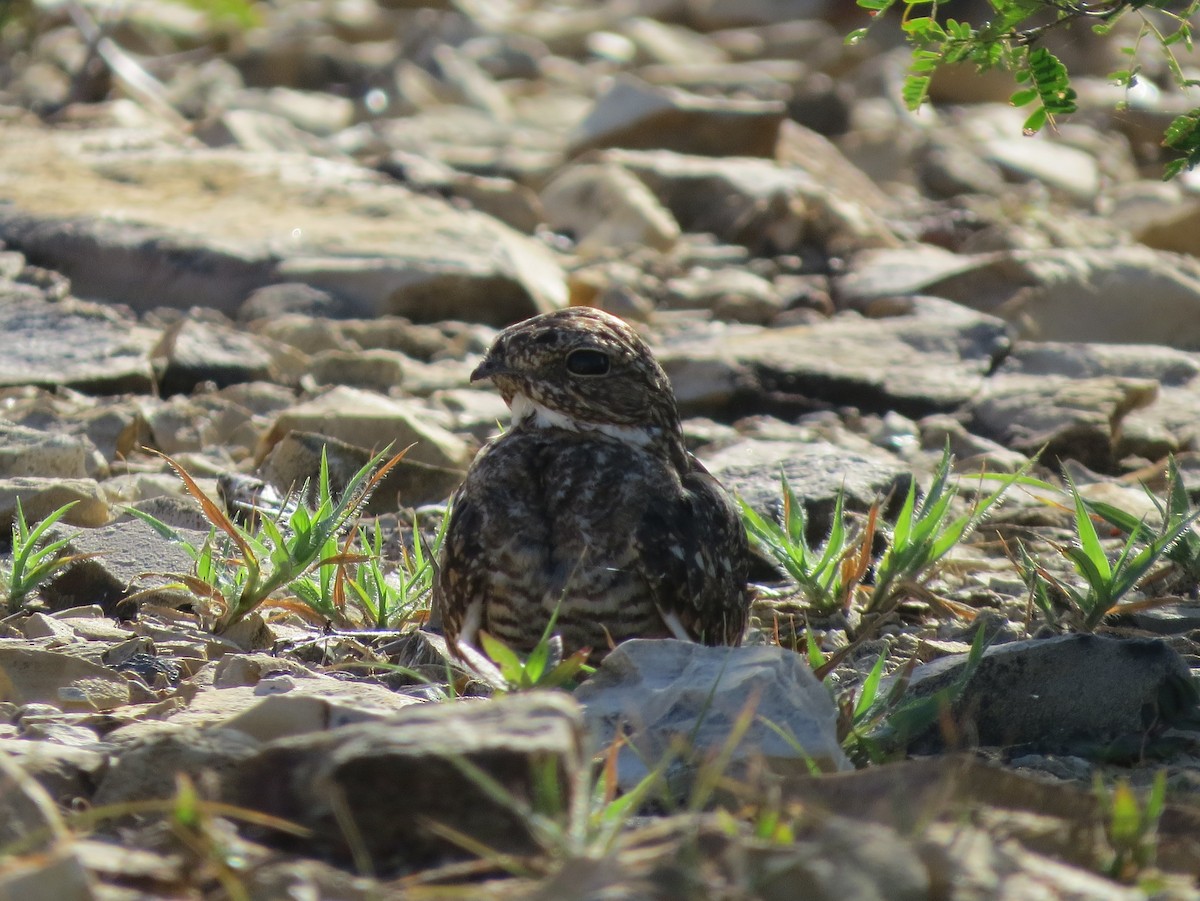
[{"x": 1010, "y": 40}]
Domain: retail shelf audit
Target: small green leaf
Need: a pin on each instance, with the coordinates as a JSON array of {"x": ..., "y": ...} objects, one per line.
[
  {"x": 1035, "y": 122},
  {"x": 503, "y": 656},
  {"x": 1021, "y": 98}
]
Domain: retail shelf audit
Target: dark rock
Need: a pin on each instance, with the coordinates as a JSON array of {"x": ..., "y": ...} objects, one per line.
[{"x": 1067, "y": 691}]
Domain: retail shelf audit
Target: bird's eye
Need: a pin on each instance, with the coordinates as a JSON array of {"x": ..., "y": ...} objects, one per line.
[{"x": 587, "y": 362}]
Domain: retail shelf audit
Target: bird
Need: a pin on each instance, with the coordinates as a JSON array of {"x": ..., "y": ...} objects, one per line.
[{"x": 588, "y": 509}]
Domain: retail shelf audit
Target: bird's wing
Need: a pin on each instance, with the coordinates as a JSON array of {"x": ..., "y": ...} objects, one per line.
[
  {"x": 694, "y": 556},
  {"x": 459, "y": 584}
]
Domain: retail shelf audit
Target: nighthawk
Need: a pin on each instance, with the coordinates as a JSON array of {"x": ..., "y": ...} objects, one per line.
[{"x": 589, "y": 505}]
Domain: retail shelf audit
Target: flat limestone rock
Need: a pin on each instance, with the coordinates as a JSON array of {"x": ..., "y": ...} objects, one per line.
[
  {"x": 28, "y": 675},
  {"x": 933, "y": 359},
  {"x": 40, "y": 497},
  {"x": 1058, "y": 294},
  {"x": 761, "y": 204},
  {"x": 637, "y": 115},
  {"x": 146, "y": 765},
  {"x": 33, "y": 452},
  {"x": 119, "y": 559},
  {"x": 816, "y": 472},
  {"x": 283, "y": 705},
  {"x": 397, "y": 777},
  {"x": 64, "y": 772},
  {"x": 71, "y": 344},
  {"x": 148, "y": 224},
  {"x": 1070, "y": 418},
  {"x": 369, "y": 420},
  {"x": 60, "y": 875}
]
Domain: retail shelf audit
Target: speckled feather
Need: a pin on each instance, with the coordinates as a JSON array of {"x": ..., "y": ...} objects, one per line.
[{"x": 589, "y": 503}]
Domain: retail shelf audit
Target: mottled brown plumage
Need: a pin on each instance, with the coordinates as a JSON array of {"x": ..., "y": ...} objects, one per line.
[{"x": 589, "y": 502}]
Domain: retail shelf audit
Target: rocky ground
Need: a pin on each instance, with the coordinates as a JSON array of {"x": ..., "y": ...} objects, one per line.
[{"x": 235, "y": 243}]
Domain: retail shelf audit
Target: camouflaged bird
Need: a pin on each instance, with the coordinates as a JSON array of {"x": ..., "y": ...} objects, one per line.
[{"x": 590, "y": 503}]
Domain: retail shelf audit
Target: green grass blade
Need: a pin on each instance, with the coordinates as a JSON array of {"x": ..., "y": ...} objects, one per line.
[{"x": 870, "y": 688}]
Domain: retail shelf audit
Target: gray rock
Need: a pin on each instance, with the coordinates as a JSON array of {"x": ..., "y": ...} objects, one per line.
[
  {"x": 372, "y": 421},
  {"x": 296, "y": 459},
  {"x": 192, "y": 351},
  {"x": 112, "y": 428},
  {"x": 1165, "y": 365},
  {"x": 639, "y": 116},
  {"x": 66, "y": 774},
  {"x": 41, "y": 497},
  {"x": 659, "y": 692},
  {"x": 1171, "y": 619},
  {"x": 201, "y": 422},
  {"x": 273, "y": 301},
  {"x": 759, "y": 79},
  {"x": 258, "y": 131},
  {"x": 376, "y": 244},
  {"x": 933, "y": 360},
  {"x": 658, "y": 42},
  {"x": 1072, "y": 294},
  {"x": 1071, "y": 418},
  {"x": 711, "y": 15},
  {"x": 1064, "y": 169},
  {"x": 765, "y": 206},
  {"x": 730, "y": 294},
  {"x": 816, "y": 472},
  {"x": 115, "y": 559},
  {"x": 318, "y": 113},
  {"x": 30, "y": 675},
  {"x": 946, "y": 167},
  {"x": 1067, "y": 690},
  {"x": 31, "y": 452},
  {"x": 71, "y": 344},
  {"x": 147, "y": 764},
  {"x": 604, "y": 206},
  {"x": 979, "y": 863},
  {"x": 1150, "y": 423},
  {"x": 393, "y": 779},
  {"x": 514, "y": 204},
  {"x": 376, "y": 370},
  {"x": 705, "y": 856},
  {"x": 969, "y": 450}
]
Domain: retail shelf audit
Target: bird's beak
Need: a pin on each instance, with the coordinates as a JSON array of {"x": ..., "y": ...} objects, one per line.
[{"x": 487, "y": 369}]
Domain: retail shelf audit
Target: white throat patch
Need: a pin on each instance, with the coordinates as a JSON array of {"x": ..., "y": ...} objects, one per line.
[{"x": 526, "y": 410}]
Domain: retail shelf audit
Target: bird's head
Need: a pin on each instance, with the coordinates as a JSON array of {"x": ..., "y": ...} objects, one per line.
[{"x": 582, "y": 368}]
